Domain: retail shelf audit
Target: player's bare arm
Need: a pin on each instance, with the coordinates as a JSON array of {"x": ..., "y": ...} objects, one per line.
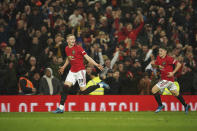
[
  {"x": 62, "y": 68},
  {"x": 177, "y": 67},
  {"x": 89, "y": 59}
]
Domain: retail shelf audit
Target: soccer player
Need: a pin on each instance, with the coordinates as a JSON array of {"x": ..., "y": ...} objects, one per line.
[
  {"x": 165, "y": 64},
  {"x": 75, "y": 54}
]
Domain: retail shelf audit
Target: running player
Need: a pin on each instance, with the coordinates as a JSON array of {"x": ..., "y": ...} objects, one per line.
[
  {"x": 165, "y": 64},
  {"x": 75, "y": 54}
]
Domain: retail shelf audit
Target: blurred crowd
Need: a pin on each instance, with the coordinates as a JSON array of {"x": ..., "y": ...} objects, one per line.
[{"x": 122, "y": 35}]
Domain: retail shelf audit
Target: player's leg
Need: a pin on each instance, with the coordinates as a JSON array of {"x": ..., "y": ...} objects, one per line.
[
  {"x": 86, "y": 91},
  {"x": 155, "y": 91},
  {"x": 159, "y": 87},
  {"x": 64, "y": 93},
  {"x": 70, "y": 80},
  {"x": 173, "y": 90},
  {"x": 81, "y": 78}
]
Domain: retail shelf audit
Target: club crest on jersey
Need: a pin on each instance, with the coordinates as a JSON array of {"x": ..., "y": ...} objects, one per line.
[
  {"x": 163, "y": 63},
  {"x": 73, "y": 52}
]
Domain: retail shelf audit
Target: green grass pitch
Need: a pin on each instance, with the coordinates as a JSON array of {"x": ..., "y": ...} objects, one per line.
[{"x": 99, "y": 121}]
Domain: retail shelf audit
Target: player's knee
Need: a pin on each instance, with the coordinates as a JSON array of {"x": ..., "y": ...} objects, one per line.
[
  {"x": 153, "y": 91},
  {"x": 175, "y": 93},
  {"x": 82, "y": 88},
  {"x": 68, "y": 84}
]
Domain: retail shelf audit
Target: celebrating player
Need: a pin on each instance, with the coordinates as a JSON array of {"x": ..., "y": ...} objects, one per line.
[
  {"x": 75, "y": 54},
  {"x": 165, "y": 64}
]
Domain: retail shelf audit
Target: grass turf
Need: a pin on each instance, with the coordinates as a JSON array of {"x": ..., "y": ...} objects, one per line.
[{"x": 98, "y": 121}]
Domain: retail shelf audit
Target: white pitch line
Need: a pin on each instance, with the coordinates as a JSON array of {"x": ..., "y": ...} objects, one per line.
[
  {"x": 74, "y": 118},
  {"x": 84, "y": 118}
]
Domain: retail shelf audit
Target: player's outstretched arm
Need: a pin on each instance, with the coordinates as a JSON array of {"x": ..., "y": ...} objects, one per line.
[
  {"x": 61, "y": 69},
  {"x": 89, "y": 59}
]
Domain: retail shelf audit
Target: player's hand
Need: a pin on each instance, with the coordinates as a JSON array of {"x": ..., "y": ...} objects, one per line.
[
  {"x": 100, "y": 67},
  {"x": 61, "y": 70},
  {"x": 161, "y": 67},
  {"x": 170, "y": 74}
]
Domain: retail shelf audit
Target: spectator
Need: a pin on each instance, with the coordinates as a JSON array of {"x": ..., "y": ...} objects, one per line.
[
  {"x": 22, "y": 38},
  {"x": 95, "y": 52},
  {"x": 43, "y": 38},
  {"x": 35, "y": 19},
  {"x": 145, "y": 85},
  {"x": 55, "y": 64},
  {"x": 35, "y": 47},
  {"x": 3, "y": 72},
  {"x": 59, "y": 46},
  {"x": 137, "y": 74},
  {"x": 49, "y": 85},
  {"x": 3, "y": 34},
  {"x": 108, "y": 63},
  {"x": 26, "y": 87},
  {"x": 89, "y": 71},
  {"x": 45, "y": 57},
  {"x": 96, "y": 10},
  {"x": 95, "y": 79},
  {"x": 12, "y": 44},
  {"x": 36, "y": 81},
  {"x": 32, "y": 66},
  {"x": 11, "y": 79},
  {"x": 75, "y": 19},
  {"x": 114, "y": 83}
]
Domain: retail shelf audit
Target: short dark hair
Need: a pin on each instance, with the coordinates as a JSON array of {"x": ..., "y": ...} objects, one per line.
[
  {"x": 163, "y": 47},
  {"x": 96, "y": 72}
]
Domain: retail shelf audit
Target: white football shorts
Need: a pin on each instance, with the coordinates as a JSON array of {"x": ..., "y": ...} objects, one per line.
[
  {"x": 166, "y": 84},
  {"x": 79, "y": 76}
]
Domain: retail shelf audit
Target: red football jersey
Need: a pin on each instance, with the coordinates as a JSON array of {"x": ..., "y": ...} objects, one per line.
[
  {"x": 75, "y": 56},
  {"x": 167, "y": 63}
]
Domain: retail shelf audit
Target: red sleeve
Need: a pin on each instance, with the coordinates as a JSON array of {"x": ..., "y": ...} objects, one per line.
[
  {"x": 172, "y": 61},
  {"x": 82, "y": 51},
  {"x": 139, "y": 28}
]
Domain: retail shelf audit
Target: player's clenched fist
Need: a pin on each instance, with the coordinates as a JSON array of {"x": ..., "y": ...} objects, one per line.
[{"x": 100, "y": 67}]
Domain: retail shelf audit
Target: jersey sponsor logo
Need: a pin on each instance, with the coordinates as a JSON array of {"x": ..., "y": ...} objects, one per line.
[
  {"x": 164, "y": 63},
  {"x": 73, "y": 52}
]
